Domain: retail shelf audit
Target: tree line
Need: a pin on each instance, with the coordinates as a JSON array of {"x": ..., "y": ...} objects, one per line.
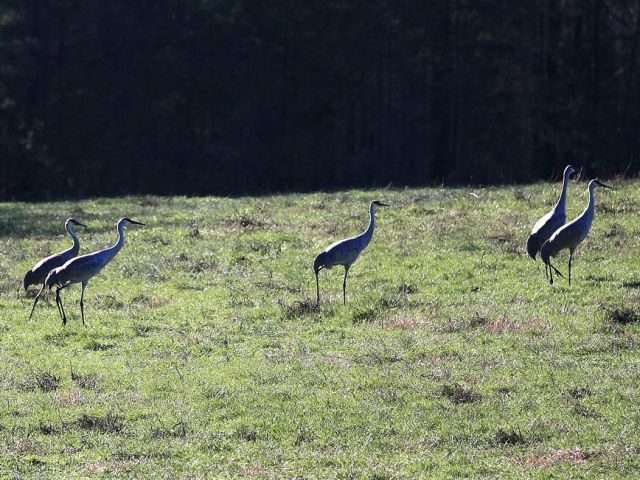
[{"x": 255, "y": 96}]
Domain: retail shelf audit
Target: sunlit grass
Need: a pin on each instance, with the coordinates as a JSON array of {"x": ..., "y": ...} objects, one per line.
[{"x": 204, "y": 355}]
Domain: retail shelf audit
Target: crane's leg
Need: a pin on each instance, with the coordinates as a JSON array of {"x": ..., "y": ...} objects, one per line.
[
  {"x": 60, "y": 305},
  {"x": 35, "y": 302},
  {"x": 546, "y": 272},
  {"x": 84, "y": 285},
  {"x": 60, "y": 308},
  {"x": 317, "y": 289},
  {"x": 570, "y": 258},
  {"x": 550, "y": 275},
  {"x": 344, "y": 284}
]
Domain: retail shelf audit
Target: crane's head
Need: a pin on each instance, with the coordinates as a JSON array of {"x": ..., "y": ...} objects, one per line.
[
  {"x": 568, "y": 171},
  {"x": 597, "y": 183},
  {"x": 73, "y": 221},
  {"x": 320, "y": 262},
  {"x": 378, "y": 203},
  {"x": 124, "y": 221}
]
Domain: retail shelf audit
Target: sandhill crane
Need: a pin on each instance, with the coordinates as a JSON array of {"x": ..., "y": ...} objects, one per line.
[
  {"x": 345, "y": 252},
  {"x": 570, "y": 235},
  {"x": 39, "y": 272},
  {"x": 81, "y": 269},
  {"x": 544, "y": 228}
]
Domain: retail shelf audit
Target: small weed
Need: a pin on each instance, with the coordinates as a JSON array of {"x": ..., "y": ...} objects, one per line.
[
  {"x": 509, "y": 436},
  {"x": 193, "y": 230},
  {"x": 179, "y": 430}
]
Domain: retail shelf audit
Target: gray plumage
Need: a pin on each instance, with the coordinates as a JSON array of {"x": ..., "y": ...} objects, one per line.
[
  {"x": 572, "y": 234},
  {"x": 39, "y": 272},
  {"x": 81, "y": 269},
  {"x": 345, "y": 252},
  {"x": 547, "y": 225}
]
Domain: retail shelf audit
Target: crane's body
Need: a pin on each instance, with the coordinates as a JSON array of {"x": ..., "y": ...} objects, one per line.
[
  {"x": 39, "y": 272},
  {"x": 81, "y": 269},
  {"x": 547, "y": 225},
  {"x": 572, "y": 234},
  {"x": 346, "y": 252}
]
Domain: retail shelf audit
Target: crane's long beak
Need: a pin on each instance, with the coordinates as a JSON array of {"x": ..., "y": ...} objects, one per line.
[
  {"x": 603, "y": 185},
  {"x": 317, "y": 288},
  {"x": 136, "y": 223},
  {"x": 82, "y": 224}
]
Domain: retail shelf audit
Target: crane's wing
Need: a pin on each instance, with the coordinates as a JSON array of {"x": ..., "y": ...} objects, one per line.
[
  {"x": 81, "y": 268},
  {"x": 549, "y": 224},
  {"x": 570, "y": 235},
  {"x": 343, "y": 252},
  {"x": 53, "y": 261}
]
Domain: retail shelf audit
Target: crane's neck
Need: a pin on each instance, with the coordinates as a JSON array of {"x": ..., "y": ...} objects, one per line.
[
  {"x": 591, "y": 208},
  {"x": 562, "y": 201},
  {"x": 76, "y": 243},
  {"x": 368, "y": 233},
  {"x": 112, "y": 251}
]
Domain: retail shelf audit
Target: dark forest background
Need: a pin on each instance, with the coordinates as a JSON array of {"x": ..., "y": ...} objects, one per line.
[{"x": 250, "y": 96}]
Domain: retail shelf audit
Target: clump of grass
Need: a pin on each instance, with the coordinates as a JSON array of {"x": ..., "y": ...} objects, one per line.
[
  {"x": 140, "y": 329},
  {"x": 243, "y": 432},
  {"x": 108, "y": 424},
  {"x": 621, "y": 316},
  {"x": 193, "y": 230},
  {"x": 97, "y": 346},
  {"x": 303, "y": 436},
  {"x": 579, "y": 392},
  {"x": 509, "y": 436},
  {"x": 459, "y": 394},
  {"x": 408, "y": 288},
  {"x": 299, "y": 308},
  {"x": 42, "y": 381},
  {"x": 47, "y": 429},
  {"x": 365, "y": 314},
  {"x": 616, "y": 319},
  {"x": 178, "y": 430},
  {"x": 88, "y": 381},
  {"x": 244, "y": 223}
]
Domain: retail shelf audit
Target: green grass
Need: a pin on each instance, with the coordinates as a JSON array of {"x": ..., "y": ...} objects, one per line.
[{"x": 204, "y": 356}]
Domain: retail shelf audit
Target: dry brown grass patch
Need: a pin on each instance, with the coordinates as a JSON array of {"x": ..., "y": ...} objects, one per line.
[
  {"x": 404, "y": 322},
  {"x": 573, "y": 455},
  {"x": 503, "y": 325}
]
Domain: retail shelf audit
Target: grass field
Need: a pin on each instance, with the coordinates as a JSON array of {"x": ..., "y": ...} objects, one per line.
[{"x": 204, "y": 356}]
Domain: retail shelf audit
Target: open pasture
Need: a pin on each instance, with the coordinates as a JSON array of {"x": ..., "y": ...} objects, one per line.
[{"x": 205, "y": 356}]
